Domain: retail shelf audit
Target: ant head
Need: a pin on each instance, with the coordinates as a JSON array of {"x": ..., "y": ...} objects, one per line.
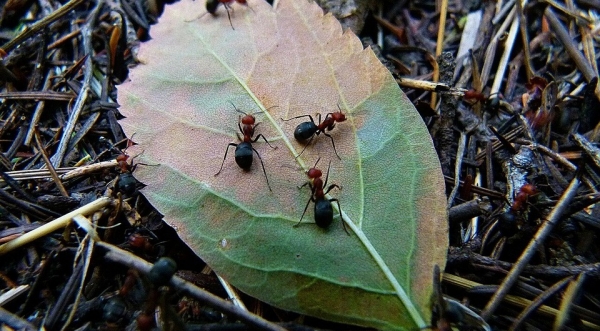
[
  {"x": 248, "y": 119},
  {"x": 122, "y": 157},
  {"x": 313, "y": 173},
  {"x": 474, "y": 94},
  {"x": 242, "y": 2},
  {"x": 338, "y": 116},
  {"x": 529, "y": 189}
]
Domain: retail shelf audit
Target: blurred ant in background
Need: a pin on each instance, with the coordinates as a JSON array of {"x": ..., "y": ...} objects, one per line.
[{"x": 213, "y": 5}]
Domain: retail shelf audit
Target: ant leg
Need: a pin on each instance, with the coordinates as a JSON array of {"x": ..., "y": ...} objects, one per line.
[
  {"x": 228, "y": 16},
  {"x": 263, "y": 166},
  {"x": 341, "y": 218},
  {"x": 197, "y": 18},
  {"x": 306, "y": 145},
  {"x": 333, "y": 144},
  {"x": 312, "y": 188},
  {"x": 224, "y": 157},
  {"x": 331, "y": 187},
  {"x": 234, "y": 107},
  {"x": 304, "y": 212},
  {"x": 311, "y": 119},
  {"x": 247, "y": 6},
  {"x": 265, "y": 139},
  {"x": 326, "y": 176}
]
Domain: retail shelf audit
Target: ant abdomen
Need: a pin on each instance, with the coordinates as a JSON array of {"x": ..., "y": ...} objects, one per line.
[
  {"x": 323, "y": 213},
  {"x": 212, "y": 5},
  {"x": 305, "y": 131},
  {"x": 243, "y": 155}
]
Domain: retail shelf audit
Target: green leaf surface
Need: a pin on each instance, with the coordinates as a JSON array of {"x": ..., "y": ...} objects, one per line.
[{"x": 178, "y": 105}]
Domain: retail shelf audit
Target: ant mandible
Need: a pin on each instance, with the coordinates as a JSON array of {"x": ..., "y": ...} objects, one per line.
[
  {"x": 307, "y": 130},
  {"x": 213, "y": 5},
  {"x": 243, "y": 150},
  {"x": 323, "y": 209}
]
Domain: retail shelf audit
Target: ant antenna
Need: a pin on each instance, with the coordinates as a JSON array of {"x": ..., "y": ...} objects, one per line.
[
  {"x": 318, "y": 162},
  {"x": 197, "y": 18},
  {"x": 327, "y": 176},
  {"x": 255, "y": 113}
]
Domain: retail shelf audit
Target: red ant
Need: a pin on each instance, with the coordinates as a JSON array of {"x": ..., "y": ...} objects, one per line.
[
  {"x": 213, "y": 5},
  {"x": 122, "y": 162},
  {"x": 127, "y": 183},
  {"x": 243, "y": 150},
  {"x": 307, "y": 130},
  {"x": 323, "y": 210},
  {"x": 525, "y": 192},
  {"x": 474, "y": 95}
]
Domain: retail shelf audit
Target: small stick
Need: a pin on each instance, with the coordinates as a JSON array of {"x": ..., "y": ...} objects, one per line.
[
  {"x": 57, "y": 181},
  {"x": 86, "y": 34},
  {"x": 523, "y": 30},
  {"x": 439, "y": 46},
  {"x": 563, "y": 35},
  {"x": 15, "y": 322},
  {"x": 508, "y": 46},
  {"x": 54, "y": 225},
  {"x": 41, "y": 24},
  {"x": 538, "y": 301},
  {"x": 462, "y": 143}
]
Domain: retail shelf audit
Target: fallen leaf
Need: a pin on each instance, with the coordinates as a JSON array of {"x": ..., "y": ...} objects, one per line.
[{"x": 179, "y": 106}]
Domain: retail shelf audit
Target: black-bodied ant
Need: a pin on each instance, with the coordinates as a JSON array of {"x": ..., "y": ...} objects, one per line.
[
  {"x": 307, "y": 130},
  {"x": 213, "y": 5},
  {"x": 243, "y": 150},
  {"x": 323, "y": 209},
  {"x": 126, "y": 182}
]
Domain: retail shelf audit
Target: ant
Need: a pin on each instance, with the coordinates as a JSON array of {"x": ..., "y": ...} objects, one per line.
[
  {"x": 475, "y": 95},
  {"x": 525, "y": 192},
  {"x": 213, "y": 5},
  {"x": 323, "y": 210},
  {"x": 243, "y": 150},
  {"x": 307, "y": 130},
  {"x": 127, "y": 183}
]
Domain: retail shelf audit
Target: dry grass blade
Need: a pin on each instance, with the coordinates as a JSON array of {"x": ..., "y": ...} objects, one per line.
[
  {"x": 564, "y": 37},
  {"x": 538, "y": 301},
  {"x": 567, "y": 302},
  {"x": 54, "y": 225},
  {"x": 511, "y": 299}
]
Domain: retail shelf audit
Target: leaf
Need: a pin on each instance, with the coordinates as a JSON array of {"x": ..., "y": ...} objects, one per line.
[{"x": 178, "y": 105}]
